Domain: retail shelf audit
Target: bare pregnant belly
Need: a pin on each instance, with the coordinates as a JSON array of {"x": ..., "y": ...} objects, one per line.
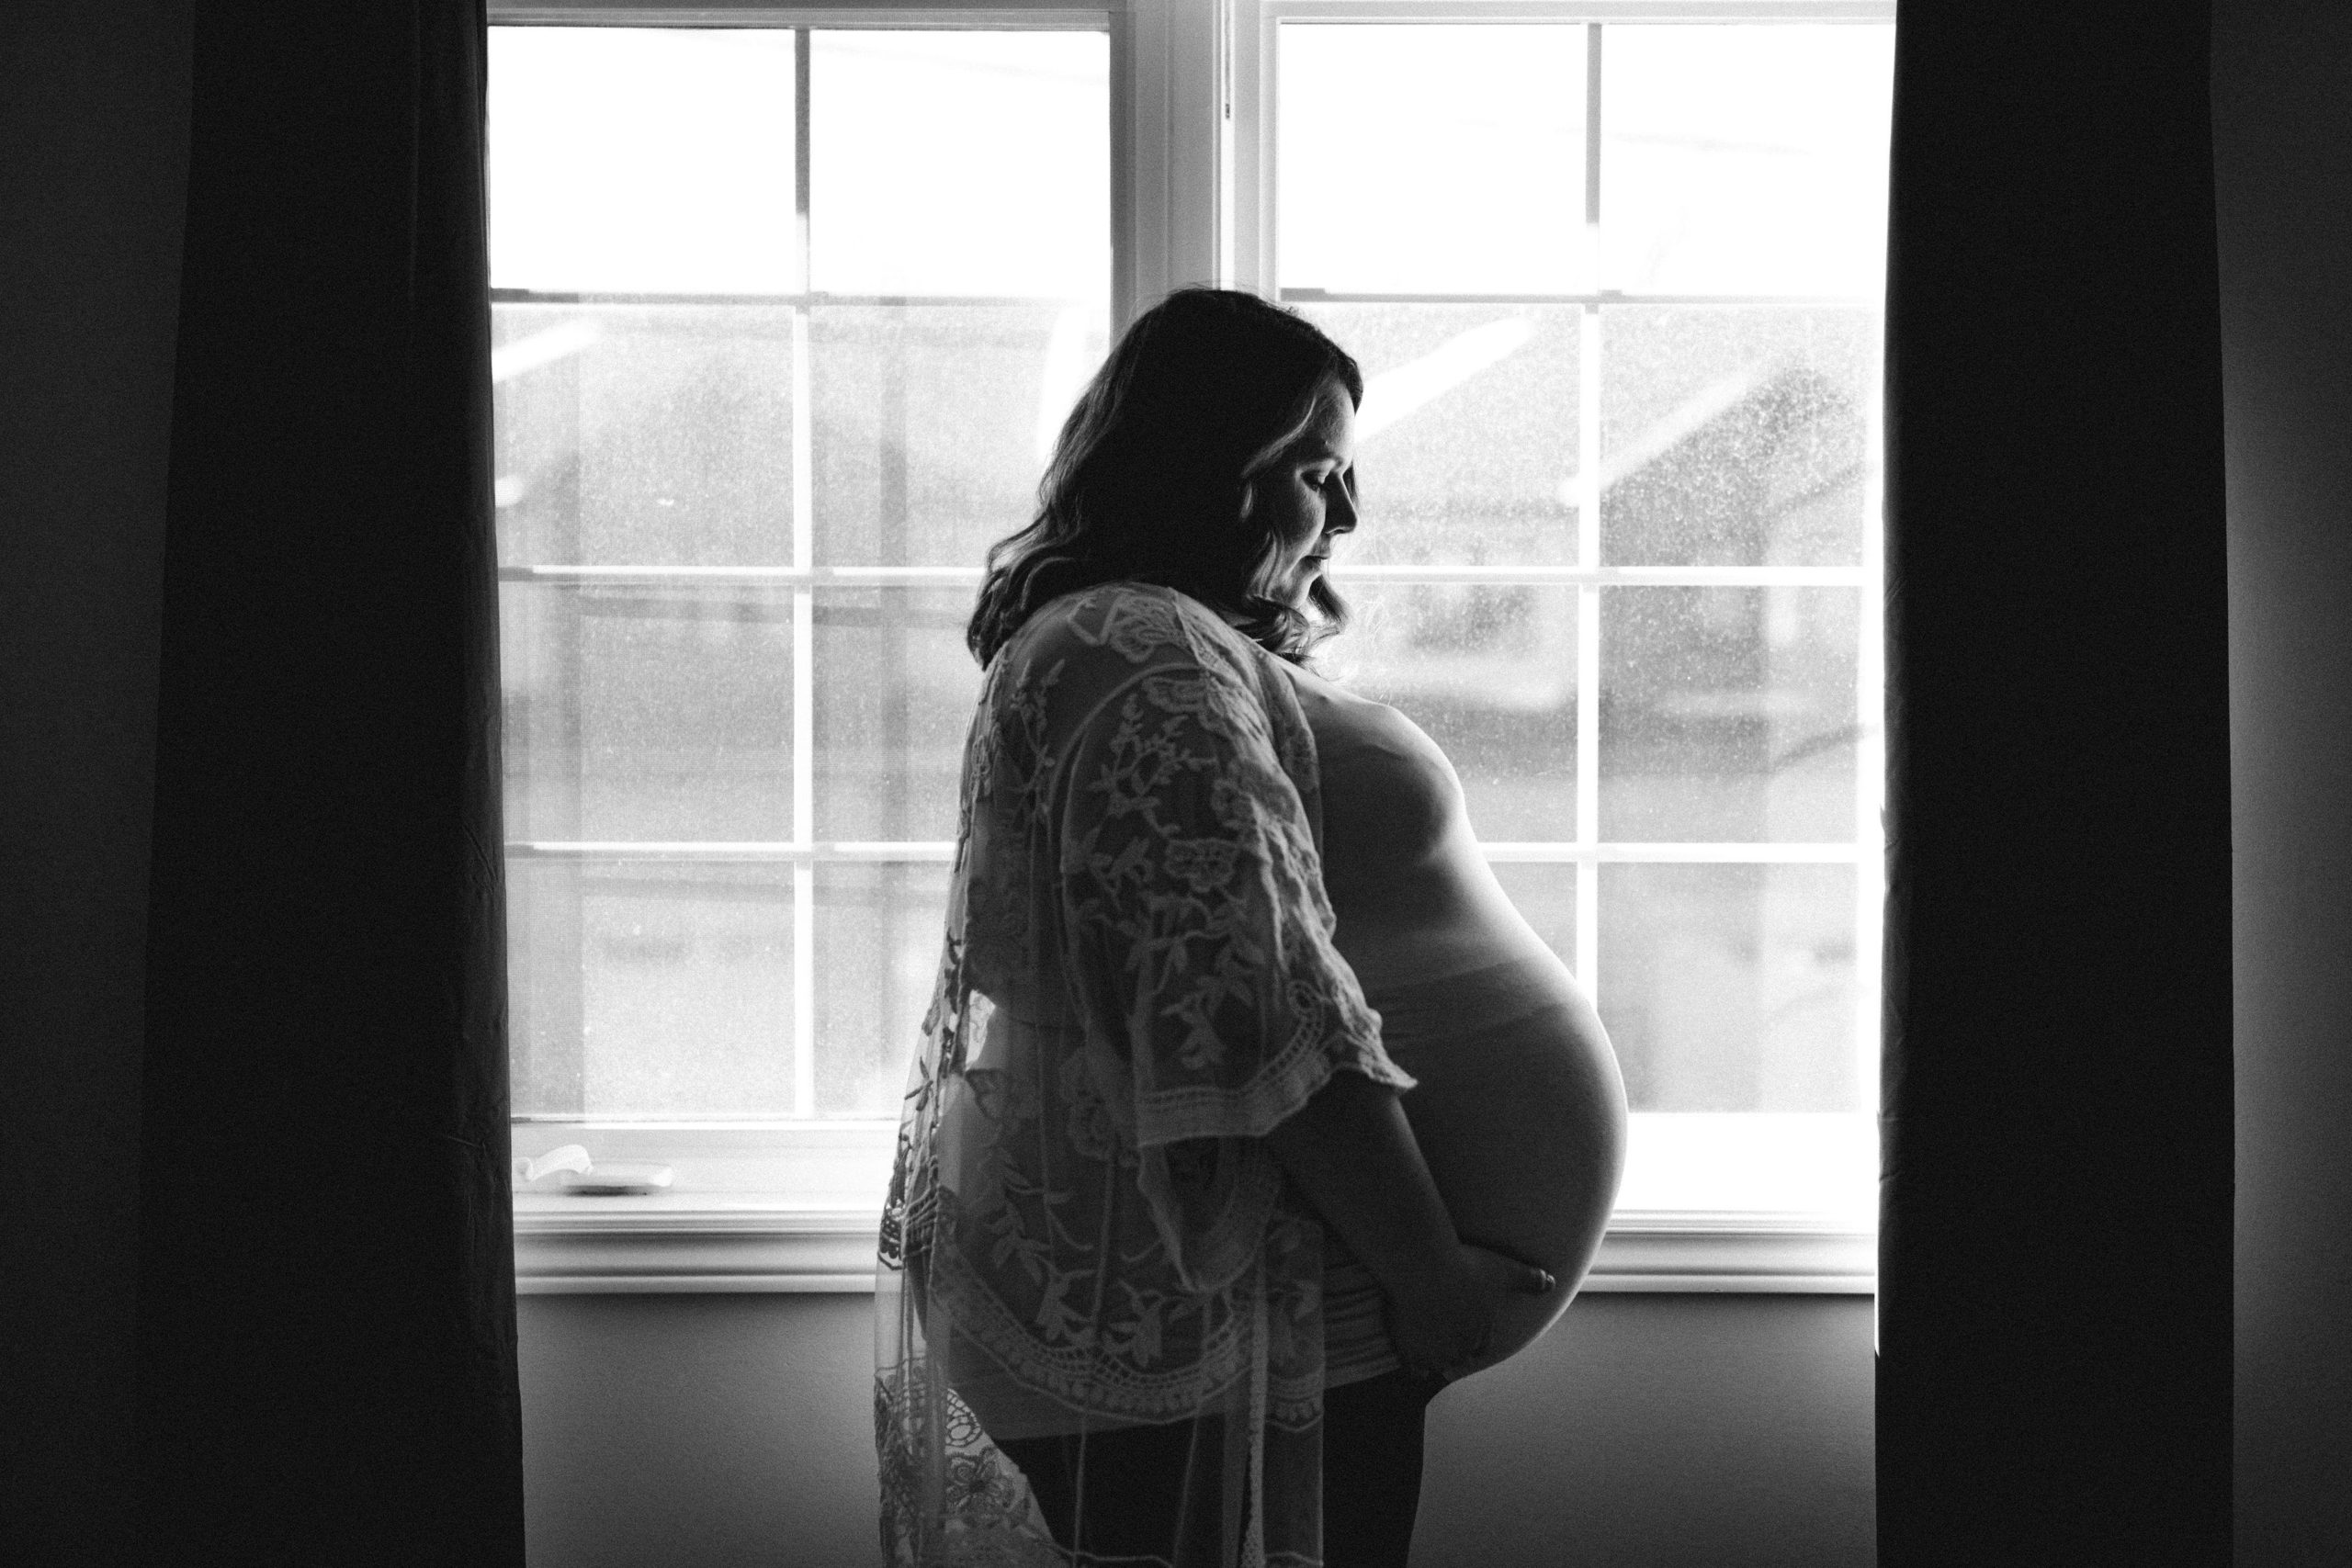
[{"x": 1521, "y": 1113}]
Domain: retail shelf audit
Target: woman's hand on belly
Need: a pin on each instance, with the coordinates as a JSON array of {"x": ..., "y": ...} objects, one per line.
[
  {"x": 1520, "y": 1117},
  {"x": 1349, "y": 1152},
  {"x": 1427, "y": 1329}
]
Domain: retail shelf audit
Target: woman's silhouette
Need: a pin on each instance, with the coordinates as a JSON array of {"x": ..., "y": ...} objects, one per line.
[{"x": 1176, "y": 1250}]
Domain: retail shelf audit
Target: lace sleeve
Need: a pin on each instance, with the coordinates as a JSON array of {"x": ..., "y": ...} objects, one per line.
[{"x": 1197, "y": 928}]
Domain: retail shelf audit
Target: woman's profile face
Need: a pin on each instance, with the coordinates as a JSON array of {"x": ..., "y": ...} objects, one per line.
[{"x": 1308, "y": 495}]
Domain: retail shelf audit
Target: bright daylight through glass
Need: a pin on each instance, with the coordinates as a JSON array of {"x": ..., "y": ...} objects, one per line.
[
  {"x": 1623, "y": 523},
  {"x": 695, "y": 719},
  {"x": 1616, "y": 289}
]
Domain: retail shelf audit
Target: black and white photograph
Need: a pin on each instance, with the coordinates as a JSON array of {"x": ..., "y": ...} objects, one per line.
[{"x": 1176, "y": 783}]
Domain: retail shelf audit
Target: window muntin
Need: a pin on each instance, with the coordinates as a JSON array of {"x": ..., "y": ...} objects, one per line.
[
  {"x": 739, "y": 521},
  {"x": 1621, "y": 497},
  {"x": 1494, "y": 597}
]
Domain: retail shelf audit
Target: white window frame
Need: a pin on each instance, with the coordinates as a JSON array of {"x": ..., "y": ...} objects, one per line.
[{"x": 763, "y": 1206}]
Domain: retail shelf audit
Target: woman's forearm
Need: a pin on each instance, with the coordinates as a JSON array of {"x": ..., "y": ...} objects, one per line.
[{"x": 1351, "y": 1151}]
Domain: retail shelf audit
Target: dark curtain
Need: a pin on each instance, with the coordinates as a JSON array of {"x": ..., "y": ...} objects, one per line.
[
  {"x": 326, "y": 1316},
  {"x": 2053, "y": 1375}
]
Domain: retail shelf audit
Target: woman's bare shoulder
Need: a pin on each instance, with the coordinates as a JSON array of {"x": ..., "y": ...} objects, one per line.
[{"x": 1334, "y": 711}]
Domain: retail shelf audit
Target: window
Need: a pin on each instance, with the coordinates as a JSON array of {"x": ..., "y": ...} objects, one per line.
[
  {"x": 786, "y": 314},
  {"x": 1616, "y": 286},
  {"x": 777, "y": 355}
]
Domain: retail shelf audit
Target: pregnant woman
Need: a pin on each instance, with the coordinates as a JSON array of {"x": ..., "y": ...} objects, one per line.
[{"x": 1248, "y": 1110}]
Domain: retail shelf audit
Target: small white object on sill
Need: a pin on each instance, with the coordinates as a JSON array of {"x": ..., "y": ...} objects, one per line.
[{"x": 587, "y": 1177}]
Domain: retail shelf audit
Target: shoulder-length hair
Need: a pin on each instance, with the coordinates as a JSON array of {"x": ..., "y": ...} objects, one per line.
[{"x": 1150, "y": 479}]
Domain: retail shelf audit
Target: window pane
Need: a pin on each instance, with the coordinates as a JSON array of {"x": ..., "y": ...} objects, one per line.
[
  {"x": 642, "y": 160},
  {"x": 1735, "y": 435},
  {"x": 1744, "y": 160},
  {"x": 934, "y": 422},
  {"x": 1547, "y": 896},
  {"x": 895, "y": 694},
  {"x": 1730, "y": 987},
  {"x": 879, "y": 927},
  {"x": 1466, "y": 441},
  {"x": 1727, "y": 714},
  {"x": 1430, "y": 160},
  {"x": 1490, "y": 672},
  {"x": 960, "y": 162},
  {"x": 646, "y": 714},
  {"x": 651, "y": 988},
  {"x": 644, "y": 435}
]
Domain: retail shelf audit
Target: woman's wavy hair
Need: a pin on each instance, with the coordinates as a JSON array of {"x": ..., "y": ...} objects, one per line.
[{"x": 1151, "y": 476}]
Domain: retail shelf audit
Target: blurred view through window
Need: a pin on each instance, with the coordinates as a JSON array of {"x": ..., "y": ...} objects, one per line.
[
  {"x": 782, "y": 318},
  {"x": 1617, "y": 290},
  {"x": 786, "y": 320}
]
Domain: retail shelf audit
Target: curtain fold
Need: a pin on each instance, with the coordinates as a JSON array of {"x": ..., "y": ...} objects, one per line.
[
  {"x": 326, "y": 1317},
  {"x": 2053, "y": 1375}
]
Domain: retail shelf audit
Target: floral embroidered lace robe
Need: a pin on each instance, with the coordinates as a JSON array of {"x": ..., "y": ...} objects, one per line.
[{"x": 1085, "y": 1229}]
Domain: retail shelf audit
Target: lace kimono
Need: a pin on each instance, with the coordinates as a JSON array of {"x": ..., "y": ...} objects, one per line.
[{"x": 1085, "y": 1229}]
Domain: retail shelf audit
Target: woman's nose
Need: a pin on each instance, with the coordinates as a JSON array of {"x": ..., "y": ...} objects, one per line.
[{"x": 1340, "y": 518}]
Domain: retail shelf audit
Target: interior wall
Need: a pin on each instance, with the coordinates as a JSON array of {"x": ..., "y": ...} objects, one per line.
[
  {"x": 2283, "y": 115},
  {"x": 1665, "y": 1431},
  {"x": 93, "y": 145}
]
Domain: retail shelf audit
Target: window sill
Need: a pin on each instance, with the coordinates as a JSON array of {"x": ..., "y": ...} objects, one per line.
[
  {"x": 707, "y": 1244},
  {"x": 1757, "y": 1203}
]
